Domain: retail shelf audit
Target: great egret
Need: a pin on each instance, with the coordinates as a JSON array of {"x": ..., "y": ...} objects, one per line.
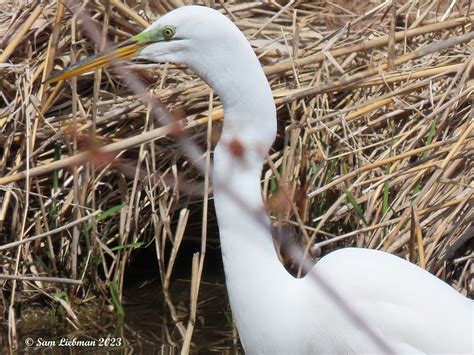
[{"x": 407, "y": 307}]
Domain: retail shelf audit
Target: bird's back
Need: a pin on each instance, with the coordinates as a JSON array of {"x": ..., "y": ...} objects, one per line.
[{"x": 410, "y": 309}]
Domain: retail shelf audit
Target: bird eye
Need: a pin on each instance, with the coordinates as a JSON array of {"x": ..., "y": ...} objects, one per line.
[{"x": 168, "y": 32}]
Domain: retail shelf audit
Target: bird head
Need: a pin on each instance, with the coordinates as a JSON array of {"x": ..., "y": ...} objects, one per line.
[
  {"x": 214, "y": 48},
  {"x": 185, "y": 35}
]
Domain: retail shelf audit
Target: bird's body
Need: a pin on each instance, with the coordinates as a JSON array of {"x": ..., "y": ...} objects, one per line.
[
  {"x": 409, "y": 309},
  {"x": 412, "y": 314}
]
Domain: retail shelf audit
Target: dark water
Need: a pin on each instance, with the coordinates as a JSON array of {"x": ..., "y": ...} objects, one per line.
[{"x": 148, "y": 327}]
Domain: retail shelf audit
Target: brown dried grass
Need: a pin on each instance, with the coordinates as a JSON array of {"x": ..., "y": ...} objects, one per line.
[{"x": 375, "y": 124}]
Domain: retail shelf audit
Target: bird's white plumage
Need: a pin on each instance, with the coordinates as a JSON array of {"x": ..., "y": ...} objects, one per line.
[{"x": 410, "y": 309}]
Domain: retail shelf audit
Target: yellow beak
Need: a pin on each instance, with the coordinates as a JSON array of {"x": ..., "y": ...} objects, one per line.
[{"x": 124, "y": 51}]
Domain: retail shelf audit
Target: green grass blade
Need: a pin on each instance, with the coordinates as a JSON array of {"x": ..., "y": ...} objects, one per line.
[
  {"x": 114, "y": 293},
  {"x": 128, "y": 246},
  {"x": 356, "y": 206},
  {"x": 108, "y": 213}
]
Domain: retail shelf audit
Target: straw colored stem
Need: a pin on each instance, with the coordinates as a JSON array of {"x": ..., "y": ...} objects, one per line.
[
  {"x": 127, "y": 11},
  {"x": 40, "y": 279},
  {"x": 375, "y": 43},
  {"x": 21, "y": 33},
  {"x": 382, "y": 163}
]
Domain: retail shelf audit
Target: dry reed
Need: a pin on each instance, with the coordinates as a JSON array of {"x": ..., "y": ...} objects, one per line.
[{"x": 374, "y": 147}]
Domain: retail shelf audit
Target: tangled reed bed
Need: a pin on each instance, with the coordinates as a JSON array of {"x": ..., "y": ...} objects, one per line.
[{"x": 374, "y": 147}]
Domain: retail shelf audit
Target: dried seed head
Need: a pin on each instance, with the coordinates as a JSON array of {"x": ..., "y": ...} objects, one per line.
[
  {"x": 236, "y": 148},
  {"x": 176, "y": 129}
]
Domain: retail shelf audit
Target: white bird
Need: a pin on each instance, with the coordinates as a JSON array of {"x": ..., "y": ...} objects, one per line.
[{"x": 406, "y": 308}]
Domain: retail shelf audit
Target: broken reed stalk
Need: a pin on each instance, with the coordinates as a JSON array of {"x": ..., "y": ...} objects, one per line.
[
  {"x": 183, "y": 220},
  {"x": 195, "y": 281},
  {"x": 13, "y": 44},
  {"x": 40, "y": 279},
  {"x": 416, "y": 236},
  {"x": 50, "y": 232}
]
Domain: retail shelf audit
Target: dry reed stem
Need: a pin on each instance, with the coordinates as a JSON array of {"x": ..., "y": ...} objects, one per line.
[
  {"x": 183, "y": 219},
  {"x": 195, "y": 281},
  {"x": 382, "y": 163},
  {"x": 375, "y": 43},
  {"x": 40, "y": 279},
  {"x": 50, "y": 232},
  {"x": 416, "y": 238},
  {"x": 21, "y": 33},
  {"x": 124, "y": 9}
]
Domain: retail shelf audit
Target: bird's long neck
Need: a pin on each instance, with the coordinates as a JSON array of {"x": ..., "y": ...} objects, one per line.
[
  {"x": 234, "y": 72},
  {"x": 248, "y": 133},
  {"x": 244, "y": 227}
]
